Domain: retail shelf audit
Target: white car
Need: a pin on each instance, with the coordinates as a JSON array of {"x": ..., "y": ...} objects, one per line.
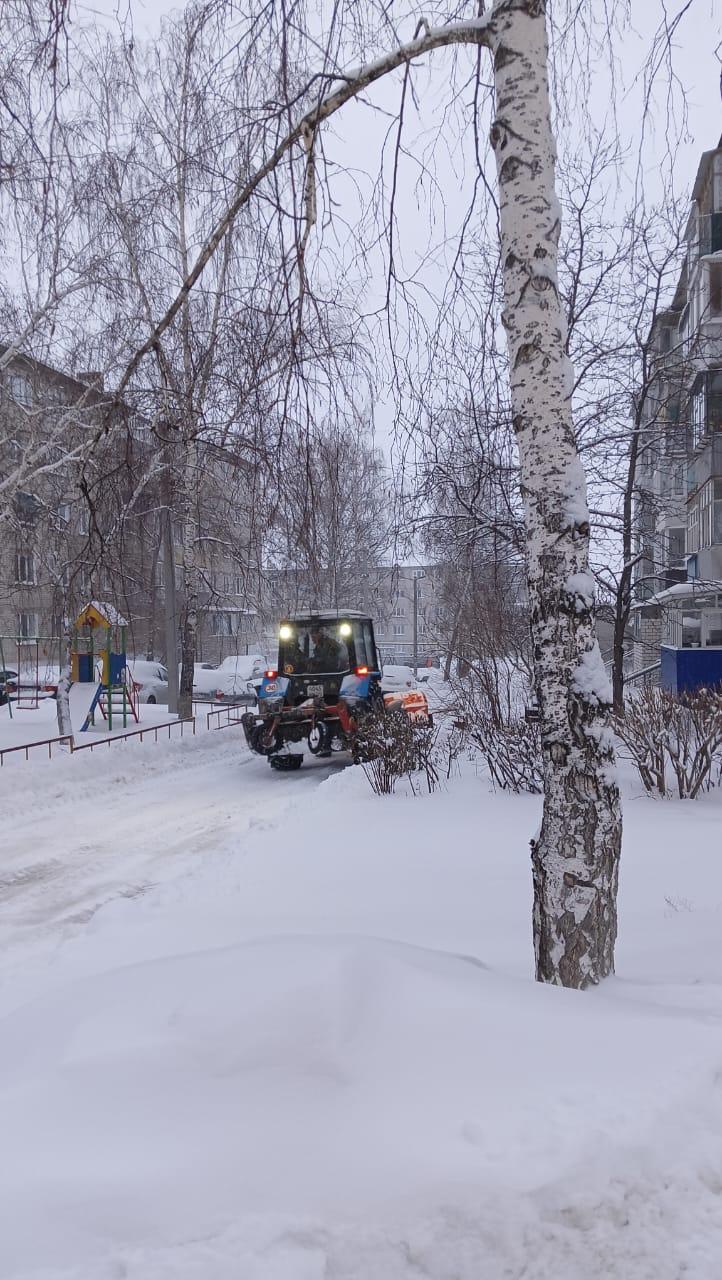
[
  {"x": 241, "y": 675},
  {"x": 397, "y": 679},
  {"x": 152, "y": 679},
  {"x": 237, "y": 678}
]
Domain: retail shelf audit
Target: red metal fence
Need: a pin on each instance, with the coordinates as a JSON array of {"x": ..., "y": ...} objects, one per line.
[{"x": 155, "y": 729}]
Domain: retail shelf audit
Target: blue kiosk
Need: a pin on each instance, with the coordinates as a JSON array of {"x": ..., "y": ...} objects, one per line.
[{"x": 691, "y": 652}]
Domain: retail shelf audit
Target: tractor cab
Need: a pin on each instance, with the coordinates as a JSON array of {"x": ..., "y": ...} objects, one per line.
[{"x": 327, "y": 648}]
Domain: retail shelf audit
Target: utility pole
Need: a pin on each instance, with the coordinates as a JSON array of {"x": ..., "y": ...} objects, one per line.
[{"x": 418, "y": 573}]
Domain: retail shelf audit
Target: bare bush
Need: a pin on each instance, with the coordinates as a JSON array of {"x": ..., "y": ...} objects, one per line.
[
  {"x": 490, "y": 712},
  {"x": 512, "y": 752},
  {"x": 390, "y": 745},
  {"x": 679, "y": 734}
]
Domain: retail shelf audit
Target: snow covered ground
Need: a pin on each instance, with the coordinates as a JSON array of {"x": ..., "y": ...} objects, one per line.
[
  {"x": 271, "y": 1027},
  {"x": 37, "y": 724}
]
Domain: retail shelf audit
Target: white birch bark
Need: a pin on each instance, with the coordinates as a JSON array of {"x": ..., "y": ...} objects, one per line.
[
  {"x": 190, "y": 570},
  {"x": 62, "y": 705},
  {"x": 576, "y": 855}
]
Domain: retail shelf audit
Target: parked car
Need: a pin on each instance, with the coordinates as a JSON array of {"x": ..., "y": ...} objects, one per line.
[
  {"x": 151, "y": 679},
  {"x": 46, "y": 687},
  {"x": 397, "y": 679},
  {"x": 197, "y": 666},
  {"x": 240, "y": 676},
  {"x": 237, "y": 679},
  {"x": 8, "y": 684}
]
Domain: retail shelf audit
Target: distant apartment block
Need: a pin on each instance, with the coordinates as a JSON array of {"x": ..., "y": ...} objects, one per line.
[{"x": 678, "y": 511}]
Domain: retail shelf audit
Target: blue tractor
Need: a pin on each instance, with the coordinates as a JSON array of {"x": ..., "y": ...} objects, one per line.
[{"x": 328, "y": 677}]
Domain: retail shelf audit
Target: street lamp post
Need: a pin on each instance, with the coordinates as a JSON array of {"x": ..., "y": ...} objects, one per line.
[{"x": 418, "y": 573}]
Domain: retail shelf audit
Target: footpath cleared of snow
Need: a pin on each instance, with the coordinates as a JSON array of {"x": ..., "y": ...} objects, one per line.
[{"x": 311, "y": 1048}]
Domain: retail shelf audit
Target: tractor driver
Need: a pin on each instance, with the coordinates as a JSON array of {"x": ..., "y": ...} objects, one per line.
[{"x": 328, "y": 653}]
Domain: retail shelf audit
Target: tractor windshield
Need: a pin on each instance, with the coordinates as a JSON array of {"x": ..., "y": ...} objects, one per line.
[{"x": 325, "y": 647}]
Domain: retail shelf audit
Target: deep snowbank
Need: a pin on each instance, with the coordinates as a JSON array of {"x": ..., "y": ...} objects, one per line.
[{"x": 319, "y": 1054}]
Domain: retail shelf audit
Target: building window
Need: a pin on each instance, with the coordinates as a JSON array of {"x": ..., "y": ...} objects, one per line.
[
  {"x": 664, "y": 339},
  {"x": 24, "y": 567},
  {"x": 691, "y": 629},
  {"x": 693, "y": 529},
  {"x": 714, "y": 400},
  {"x": 20, "y": 389},
  {"x": 697, "y": 414},
  {"x": 221, "y": 624},
  {"x": 398, "y": 629},
  {"x": 27, "y": 626},
  {"x": 676, "y": 544},
  {"x": 84, "y": 521},
  {"x": 419, "y": 573},
  {"x": 27, "y": 508},
  {"x": 63, "y": 512},
  {"x": 399, "y": 611},
  {"x": 715, "y": 288}
]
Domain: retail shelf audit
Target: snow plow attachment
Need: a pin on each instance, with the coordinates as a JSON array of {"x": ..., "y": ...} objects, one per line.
[{"x": 413, "y": 702}]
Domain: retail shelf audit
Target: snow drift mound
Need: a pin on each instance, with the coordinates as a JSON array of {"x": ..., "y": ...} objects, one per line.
[{"x": 339, "y": 1080}]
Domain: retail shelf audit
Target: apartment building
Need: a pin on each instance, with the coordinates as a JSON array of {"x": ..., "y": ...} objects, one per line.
[
  {"x": 55, "y": 554},
  {"x": 679, "y": 501},
  {"x": 412, "y": 618}
]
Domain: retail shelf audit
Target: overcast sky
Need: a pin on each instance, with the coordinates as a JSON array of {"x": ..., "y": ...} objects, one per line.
[
  {"x": 355, "y": 138},
  {"x": 697, "y": 51}
]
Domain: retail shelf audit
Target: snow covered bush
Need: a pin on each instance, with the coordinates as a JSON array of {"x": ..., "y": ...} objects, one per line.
[{"x": 680, "y": 735}]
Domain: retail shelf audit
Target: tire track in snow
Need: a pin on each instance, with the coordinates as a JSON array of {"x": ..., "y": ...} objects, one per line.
[{"x": 127, "y": 830}]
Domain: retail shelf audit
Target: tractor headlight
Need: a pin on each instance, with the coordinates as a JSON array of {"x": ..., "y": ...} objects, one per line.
[
  {"x": 285, "y": 632},
  {"x": 345, "y": 629}
]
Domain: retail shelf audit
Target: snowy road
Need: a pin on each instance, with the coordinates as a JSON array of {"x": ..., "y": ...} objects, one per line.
[{"x": 106, "y": 830}]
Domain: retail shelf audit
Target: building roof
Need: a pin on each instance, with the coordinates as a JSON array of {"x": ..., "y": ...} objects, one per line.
[
  {"x": 703, "y": 170},
  {"x": 685, "y": 591}
]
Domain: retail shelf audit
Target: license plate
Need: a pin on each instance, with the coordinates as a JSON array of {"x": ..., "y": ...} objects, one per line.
[{"x": 315, "y": 691}]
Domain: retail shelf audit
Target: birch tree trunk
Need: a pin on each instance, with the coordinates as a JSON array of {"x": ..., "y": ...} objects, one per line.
[
  {"x": 62, "y": 703},
  {"x": 191, "y": 577},
  {"x": 575, "y": 857}
]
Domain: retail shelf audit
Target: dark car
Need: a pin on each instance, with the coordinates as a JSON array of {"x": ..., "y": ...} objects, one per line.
[{"x": 8, "y": 684}]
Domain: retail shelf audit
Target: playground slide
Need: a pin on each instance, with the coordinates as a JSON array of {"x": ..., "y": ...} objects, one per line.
[{"x": 82, "y": 698}]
